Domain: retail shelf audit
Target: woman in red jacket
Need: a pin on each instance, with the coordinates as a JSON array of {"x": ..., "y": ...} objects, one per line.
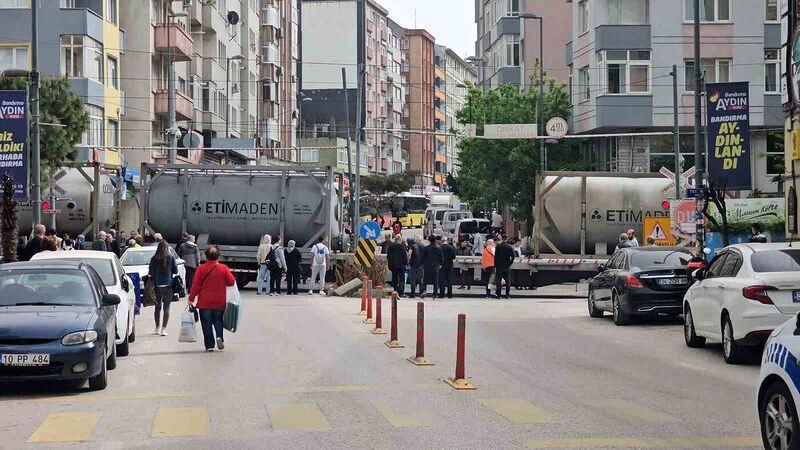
[{"x": 210, "y": 282}]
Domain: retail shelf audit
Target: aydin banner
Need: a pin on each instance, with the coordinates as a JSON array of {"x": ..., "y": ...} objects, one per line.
[
  {"x": 728, "y": 112},
  {"x": 14, "y": 139}
]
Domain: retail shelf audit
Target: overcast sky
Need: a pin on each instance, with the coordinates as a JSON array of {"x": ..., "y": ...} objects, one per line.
[{"x": 451, "y": 22}]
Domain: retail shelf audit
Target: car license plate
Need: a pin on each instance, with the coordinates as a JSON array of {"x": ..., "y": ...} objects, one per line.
[
  {"x": 672, "y": 281},
  {"x": 796, "y": 296},
  {"x": 25, "y": 359}
]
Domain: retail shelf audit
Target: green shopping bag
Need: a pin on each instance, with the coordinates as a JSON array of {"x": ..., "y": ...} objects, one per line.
[{"x": 233, "y": 309}]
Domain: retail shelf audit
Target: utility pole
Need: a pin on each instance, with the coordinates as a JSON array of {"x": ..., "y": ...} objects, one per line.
[
  {"x": 357, "y": 188},
  {"x": 676, "y": 146},
  {"x": 36, "y": 178},
  {"x": 698, "y": 136},
  {"x": 347, "y": 121}
]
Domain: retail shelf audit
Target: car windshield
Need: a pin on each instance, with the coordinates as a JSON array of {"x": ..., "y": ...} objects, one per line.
[
  {"x": 45, "y": 287},
  {"x": 103, "y": 267},
  {"x": 138, "y": 257},
  {"x": 650, "y": 260},
  {"x": 776, "y": 261},
  {"x": 474, "y": 227},
  {"x": 440, "y": 214}
]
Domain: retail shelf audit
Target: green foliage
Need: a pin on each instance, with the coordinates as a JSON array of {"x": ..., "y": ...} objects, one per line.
[
  {"x": 8, "y": 219},
  {"x": 502, "y": 172},
  {"x": 382, "y": 184},
  {"x": 57, "y": 105}
]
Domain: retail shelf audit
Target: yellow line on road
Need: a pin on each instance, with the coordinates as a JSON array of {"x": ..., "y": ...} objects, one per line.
[
  {"x": 630, "y": 410},
  {"x": 114, "y": 397},
  {"x": 177, "y": 422},
  {"x": 518, "y": 411},
  {"x": 297, "y": 417},
  {"x": 682, "y": 442},
  {"x": 419, "y": 419},
  {"x": 66, "y": 427}
]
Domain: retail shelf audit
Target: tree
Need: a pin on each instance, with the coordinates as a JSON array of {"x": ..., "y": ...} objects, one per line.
[
  {"x": 716, "y": 195},
  {"x": 502, "y": 172},
  {"x": 8, "y": 219},
  {"x": 57, "y": 105},
  {"x": 382, "y": 184}
]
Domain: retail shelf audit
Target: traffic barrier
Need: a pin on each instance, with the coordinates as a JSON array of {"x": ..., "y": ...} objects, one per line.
[
  {"x": 419, "y": 359},
  {"x": 393, "y": 342},
  {"x": 460, "y": 381},
  {"x": 378, "y": 314},
  {"x": 364, "y": 281},
  {"x": 369, "y": 320}
]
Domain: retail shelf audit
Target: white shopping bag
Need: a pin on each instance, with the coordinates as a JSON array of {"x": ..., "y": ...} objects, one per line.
[
  {"x": 233, "y": 309},
  {"x": 188, "y": 330}
]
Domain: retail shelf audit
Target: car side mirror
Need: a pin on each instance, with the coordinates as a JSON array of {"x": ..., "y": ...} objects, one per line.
[
  {"x": 699, "y": 274},
  {"x": 797, "y": 326},
  {"x": 125, "y": 285},
  {"x": 110, "y": 300}
]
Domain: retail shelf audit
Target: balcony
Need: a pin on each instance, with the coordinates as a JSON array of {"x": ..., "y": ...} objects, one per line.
[
  {"x": 184, "y": 106},
  {"x": 175, "y": 37},
  {"x": 271, "y": 55},
  {"x": 271, "y": 17}
]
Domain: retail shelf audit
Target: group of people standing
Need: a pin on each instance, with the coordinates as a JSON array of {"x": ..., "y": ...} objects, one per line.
[
  {"x": 47, "y": 240},
  {"x": 275, "y": 261}
]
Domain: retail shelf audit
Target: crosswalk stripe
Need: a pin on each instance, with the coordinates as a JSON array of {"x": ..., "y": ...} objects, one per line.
[
  {"x": 115, "y": 397},
  {"x": 646, "y": 442},
  {"x": 589, "y": 443},
  {"x": 297, "y": 417},
  {"x": 625, "y": 409},
  {"x": 66, "y": 427},
  {"x": 518, "y": 411},
  {"x": 419, "y": 419},
  {"x": 176, "y": 422}
]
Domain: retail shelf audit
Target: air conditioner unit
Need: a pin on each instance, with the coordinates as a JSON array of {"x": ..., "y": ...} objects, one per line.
[
  {"x": 278, "y": 33},
  {"x": 187, "y": 4},
  {"x": 279, "y": 71}
]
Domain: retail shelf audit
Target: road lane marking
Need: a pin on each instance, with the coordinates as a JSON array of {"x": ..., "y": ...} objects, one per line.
[
  {"x": 116, "y": 397},
  {"x": 177, "y": 422},
  {"x": 518, "y": 411},
  {"x": 66, "y": 427},
  {"x": 351, "y": 388},
  {"x": 646, "y": 442},
  {"x": 630, "y": 410},
  {"x": 419, "y": 419},
  {"x": 297, "y": 417}
]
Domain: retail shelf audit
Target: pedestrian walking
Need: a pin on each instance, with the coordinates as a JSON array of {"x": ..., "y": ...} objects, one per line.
[
  {"x": 209, "y": 289},
  {"x": 415, "y": 261},
  {"x": 503, "y": 259},
  {"x": 80, "y": 242},
  {"x": 276, "y": 267},
  {"x": 387, "y": 241},
  {"x": 320, "y": 261},
  {"x": 190, "y": 254},
  {"x": 293, "y": 258},
  {"x": 432, "y": 263},
  {"x": 756, "y": 236},
  {"x": 264, "y": 258},
  {"x": 624, "y": 241},
  {"x": 464, "y": 249},
  {"x": 161, "y": 270},
  {"x": 99, "y": 243},
  {"x": 54, "y": 234},
  {"x": 487, "y": 263},
  {"x": 477, "y": 244},
  {"x": 632, "y": 237},
  {"x": 446, "y": 272},
  {"x": 111, "y": 245},
  {"x": 397, "y": 227},
  {"x": 34, "y": 245},
  {"x": 397, "y": 259},
  {"x": 497, "y": 223}
]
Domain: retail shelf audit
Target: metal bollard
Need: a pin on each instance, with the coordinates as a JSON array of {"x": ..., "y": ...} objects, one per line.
[
  {"x": 369, "y": 320},
  {"x": 393, "y": 342},
  {"x": 378, "y": 314},
  {"x": 419, "y": 359},
  {"x": 460, "y": 380},
  {"x": 363, "y": 311}
]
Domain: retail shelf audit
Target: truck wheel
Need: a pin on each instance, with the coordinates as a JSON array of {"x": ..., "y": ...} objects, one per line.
[{"x": 242, "y": 279}]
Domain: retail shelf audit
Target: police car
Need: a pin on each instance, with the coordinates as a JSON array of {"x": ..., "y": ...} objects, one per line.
[{"x": 778, "y": 395}]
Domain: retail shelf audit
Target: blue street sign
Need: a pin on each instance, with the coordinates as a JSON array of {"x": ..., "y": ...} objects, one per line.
[
  {"x": 693, "y": 193},
  {"x": 370, "y": 230}
]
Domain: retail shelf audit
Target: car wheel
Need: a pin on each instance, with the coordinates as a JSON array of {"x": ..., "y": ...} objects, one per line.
[
  {"x": 689, "y": 334},
  {"x": 124, "y": 348},
  {"x": 733, "y": 352},
  {"x": 778, "y": 416},
  {"x": 112, "y": 360},
  {"x": 99, "y": 381},
  {"x": 620, "y": 317},
  {"x": 593, "y": 311},
  {"x": 132, "y": 337}
]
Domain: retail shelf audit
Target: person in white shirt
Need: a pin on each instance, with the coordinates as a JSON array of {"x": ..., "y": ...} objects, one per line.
[
  {"x": 320, "y": 260},
  {"x": 497, "y": 223}
]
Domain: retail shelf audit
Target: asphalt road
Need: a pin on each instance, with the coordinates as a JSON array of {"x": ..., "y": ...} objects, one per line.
[{"x": 304, "y": 372}]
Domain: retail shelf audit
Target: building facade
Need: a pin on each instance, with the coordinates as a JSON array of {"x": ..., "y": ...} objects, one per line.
[
  {"x": 79, "y": 40},
  {"x": 621, "y": 60},
  {"x": 419, "y": 72},
  {"x": 441, "y": 163},
  {"x": 458, "y": 74},
  {"x": 396, "y": 97}
]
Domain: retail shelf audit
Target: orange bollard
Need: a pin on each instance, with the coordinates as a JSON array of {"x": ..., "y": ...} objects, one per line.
[
  {"x": 369, "y": 320},
  {"x": 363, "y": 311},
  {"x": 460, "y": 380},
  {"x": 378, "y": 315},
  {"x": 393, "y": 342},
  {"x": 419, "y": 359}
]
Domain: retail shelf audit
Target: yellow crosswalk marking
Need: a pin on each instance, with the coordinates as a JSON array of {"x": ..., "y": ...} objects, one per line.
[
  {"x": 177, "y": 422},
  {"x": 630, "y": 410},
  {"x": 646, "y": 442},
  {"x": 128, "y": 396},
  {"x": 518, "y": 411},
  {"x": 66, "y": 427},
  {"x": 297, "y": 417},
  {"x": 419, "y": 419}
]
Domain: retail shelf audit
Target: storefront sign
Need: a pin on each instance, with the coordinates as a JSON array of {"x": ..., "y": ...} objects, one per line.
[
  {"x": 747, "y": 211},
  {"x": 14, "y": 139},
  {"x": 728, "y": 112}
]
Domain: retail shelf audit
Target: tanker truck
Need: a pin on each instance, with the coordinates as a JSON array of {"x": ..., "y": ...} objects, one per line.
[{"x": 234, "y": 206}]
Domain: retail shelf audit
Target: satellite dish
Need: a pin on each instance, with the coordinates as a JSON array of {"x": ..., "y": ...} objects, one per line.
[{"x": 233, "y": 17}]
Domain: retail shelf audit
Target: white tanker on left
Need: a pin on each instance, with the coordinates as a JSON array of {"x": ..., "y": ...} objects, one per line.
[{"x": 73, "y": 203}]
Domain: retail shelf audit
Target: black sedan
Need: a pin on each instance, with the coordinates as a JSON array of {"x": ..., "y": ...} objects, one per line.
[
  {"x": 57, "y": 322},
  {"x": 640, "y": 281}
]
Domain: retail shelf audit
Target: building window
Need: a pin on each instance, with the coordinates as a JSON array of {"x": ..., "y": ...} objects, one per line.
[
  {"x": 628, "y": 12},
  {"x": 111, "y": 11},
  {"x": 584, "y": 88},
  {"x": 583, "y": 16},
  {"x": 81, "y": 56},
  {"x": 14, "y": 4},
  {"x": 507, "y": 8},
  {"x": 13, "y": 58},
  {"x": 68, "y": 3},
  {"x": 775, "y": 154},
  {"x": 112, "y": 72},
  {"x": 196, "y": 85},
  {"x": 209, "y": 97},
  {"x": 772, "y": 10},
  {"x": 94, "y": 135},
  {"x": 626, "y": 71},
  {"x": 714, "y": 71},
  {"x": 710, "y": 10},
  {"x": 772, "y": 68},
  {"x": 113, "y": 133},
  {"x": 222, "y": 53}
]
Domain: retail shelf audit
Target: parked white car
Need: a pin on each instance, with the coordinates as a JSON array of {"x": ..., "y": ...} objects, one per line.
[
  {"x": 777, "y": 393},
  {"x": 746, "y": 292},
  {"x": 108, "y": 266},
  {"x": 137, "y": 260}
]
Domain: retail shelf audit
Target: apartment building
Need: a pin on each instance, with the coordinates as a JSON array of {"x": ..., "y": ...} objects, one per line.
[
  {"x": 621, "y": 60},
  {"x": 396, "y": 97},
  {"x": 80, "y": 40},
  {"x": 508, "y": 46},
  {"x": 441, "y": 163},
  {"x": 458, "y": 74},
  {"x": 421, "y": 143}
]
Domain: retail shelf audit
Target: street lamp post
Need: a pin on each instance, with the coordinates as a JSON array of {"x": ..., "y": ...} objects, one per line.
[
  {"x": 540, "y": 107},
  {"x": 172, "y": 129},
  {"x": 228, "y": 91}
]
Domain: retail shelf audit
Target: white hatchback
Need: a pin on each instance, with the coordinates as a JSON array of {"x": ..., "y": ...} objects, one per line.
[
  {"x": 107, "y": 265},
  {"x": 746, "y": 291},
  {"x": 137, "y": 260},
  {"x": 777, "y": 392}
]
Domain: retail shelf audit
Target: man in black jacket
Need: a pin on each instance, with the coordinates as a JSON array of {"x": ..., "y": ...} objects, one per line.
[
  {"x": 415, "y": 273},
  {"x": 503, "y": 259},
  {"x": 397, "y": 259},
  {"x": 35, "y": 244},
  {"x": 432, "y": 263},
  {"x": 446, "y": 272}
]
